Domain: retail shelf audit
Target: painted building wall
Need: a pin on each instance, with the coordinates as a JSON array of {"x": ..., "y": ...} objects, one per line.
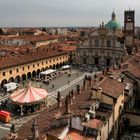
[{"x": 34, "y": 66}]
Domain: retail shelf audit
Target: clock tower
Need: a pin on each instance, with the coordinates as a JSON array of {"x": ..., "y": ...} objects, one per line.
[{"x": 129, "y": 30}]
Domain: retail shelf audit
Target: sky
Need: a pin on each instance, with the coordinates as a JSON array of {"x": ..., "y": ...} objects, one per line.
[{"x": 49, "y": 13}]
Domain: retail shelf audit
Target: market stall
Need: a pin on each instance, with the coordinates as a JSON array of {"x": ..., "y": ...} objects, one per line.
[
  {"x": 65, "y": 67},
  {"x": 10, "y": 86}
]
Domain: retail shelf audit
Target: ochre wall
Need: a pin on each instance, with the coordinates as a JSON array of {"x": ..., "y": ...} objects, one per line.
[{"x": 42, "y": 64}]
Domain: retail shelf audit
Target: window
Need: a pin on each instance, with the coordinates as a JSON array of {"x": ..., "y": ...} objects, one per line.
[
  {"x": 50, "y": 61},
  {"x": 23, "y": 68},
  {"x": 37, "y": 64},
  {"x": 96, "y": 43},
  {"x": 3, "y": 74},
  {"x": 108, "y": 43},
  {"x": 42, "y": 63},
  {"x": 10, "y": 71},
  {"x": 28, "y": 67},
  {"x": 33, "y": 66},
  {"x": 17, "y": 70},
  {"x": 46, "y": 62},
  {"x": 53, "y": 60}
]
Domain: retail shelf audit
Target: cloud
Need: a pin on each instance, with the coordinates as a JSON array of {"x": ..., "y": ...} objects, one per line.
[{"x": 63, "y": 12}]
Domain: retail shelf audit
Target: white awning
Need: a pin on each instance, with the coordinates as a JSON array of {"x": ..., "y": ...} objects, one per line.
[
  {"x": 47, "y": 72},
  {"x": 10, "y": 86},
  {"x": 65, "y": 67}
]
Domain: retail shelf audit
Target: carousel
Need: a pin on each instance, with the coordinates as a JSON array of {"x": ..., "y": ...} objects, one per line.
[{"x": 29, "y": 99}]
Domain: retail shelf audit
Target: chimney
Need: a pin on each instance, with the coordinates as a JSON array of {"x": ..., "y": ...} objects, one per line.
[
  {"x": 78, "y": 88},
  {"x": 59, "y": 103},
  {"x": 84, "y": 84},
  {"x": 35, "y": 132},
  {"x": 96, "y": 93},
  {"x": 72, "y": 94},
  {"x": 99, "y": 93},
  {"x": 67, "y": 106},
  {"x": 70, "y": 98},
  {"x": 122, "y": 78}
]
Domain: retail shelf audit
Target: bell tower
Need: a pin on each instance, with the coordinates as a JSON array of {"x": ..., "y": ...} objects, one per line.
[{"x": 129, "y": 30}]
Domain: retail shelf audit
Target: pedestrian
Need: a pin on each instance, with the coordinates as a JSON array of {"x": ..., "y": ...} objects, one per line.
[{"x": 68, "y": 82}]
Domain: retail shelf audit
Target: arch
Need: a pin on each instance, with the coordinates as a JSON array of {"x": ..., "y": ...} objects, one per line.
[
  {"x": 66, "y": 62},
  {"x": 108, "y": 43},
  {"x": 34, "y": 73},
  {"x": 17, "y": 79},
  {"x": 3, "y": 82},
  {"x": 38, "y": 71},
  {"x": 11, "y": 79},
  {"x": 61, "y": 64},
  {"x": 57, "y": 65},
  {"x": 50, "y": 67},
  {"x": 23, "y": 77},
  {"x": 42, "y": 69},
  {"x": 54, "y": 66},
  {"x": 46, "y": 68},
  {"x": 29, "y": 75},
  {"x": 85, "y": 60}
]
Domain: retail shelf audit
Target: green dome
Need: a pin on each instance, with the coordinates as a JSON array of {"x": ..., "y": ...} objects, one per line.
[{"x": 113, "y": 24}]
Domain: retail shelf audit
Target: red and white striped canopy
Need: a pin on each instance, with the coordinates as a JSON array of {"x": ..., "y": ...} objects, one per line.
[{"x": 28, "y": 95}]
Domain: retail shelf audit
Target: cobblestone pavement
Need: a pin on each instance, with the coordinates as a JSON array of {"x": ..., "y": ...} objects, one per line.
[{"x": 60, "y": 84}]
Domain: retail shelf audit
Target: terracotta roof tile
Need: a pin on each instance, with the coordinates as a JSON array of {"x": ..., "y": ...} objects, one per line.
[
  {"x": 112, "y": 87},
  {"x": 27, "y": 58}
]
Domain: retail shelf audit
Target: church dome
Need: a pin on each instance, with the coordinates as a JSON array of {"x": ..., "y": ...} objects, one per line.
[{"x": 113, "y": 24}]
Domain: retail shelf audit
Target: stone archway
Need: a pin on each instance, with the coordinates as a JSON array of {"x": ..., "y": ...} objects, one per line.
[
  {"x": 50, "y": 67},
  {"x": 46, "y": 68},
  {"x": 34, "y": 73},
  {"x": 85, "y": 60},
  {"x": 96, "y": 61},
  {"x": 38, "y": 71},
  {"x": 17, "y": 79},
  {"x": 61, "y": 64},
  {"x": 42, "y": 69},
  {"x": 3, "y": 82},
  {"x": 57, "y": 65},
  {"x": 11, "y": 79},
  {"x": 29, "y": 75},
  {"x": 23, "y": 77},
  {"x": 54, "y": 66},
  {"x": 108, "y": 61}
]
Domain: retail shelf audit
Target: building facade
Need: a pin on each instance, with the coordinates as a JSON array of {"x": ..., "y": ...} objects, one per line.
[
  {"x": 29, "y": 65},
  {"x": 102, "y": 48}
]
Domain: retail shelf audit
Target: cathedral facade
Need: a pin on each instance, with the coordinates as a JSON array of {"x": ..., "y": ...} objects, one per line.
[{"x": 102, "y": 47}]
